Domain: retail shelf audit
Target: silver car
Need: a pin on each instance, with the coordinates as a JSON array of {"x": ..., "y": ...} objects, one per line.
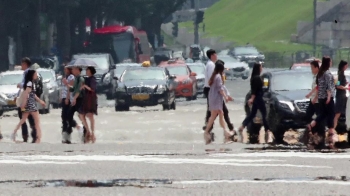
[
  {"x": 9, "y": 91},
  {"x": 235, "y": 68},
  {"x": 199, "y": 69},
  {"x": 49, "y": 79}
]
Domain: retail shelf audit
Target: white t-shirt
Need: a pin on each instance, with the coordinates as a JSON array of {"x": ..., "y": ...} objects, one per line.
[{"x": 209, "y": 69}]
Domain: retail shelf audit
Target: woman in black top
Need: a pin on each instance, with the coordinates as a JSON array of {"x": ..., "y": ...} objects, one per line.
[
  {"x": 256, "y": 99},
  {"x": 340, "y": 96}
]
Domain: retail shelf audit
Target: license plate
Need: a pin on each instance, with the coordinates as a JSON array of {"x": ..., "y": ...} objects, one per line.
[
  {"x": 140, "y": 97},
  {"x": 11, "y": 102}
]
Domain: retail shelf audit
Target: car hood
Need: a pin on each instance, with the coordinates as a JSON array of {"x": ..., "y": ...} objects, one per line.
[
  {"x": 8, "y": 89},
  {"x": 200, "y": 76},
  {"x": 231, "y": 65},
  {"x": 181, "y": 78},
  {"x": 133, "y": 83},
  {"x": 291, "y": 95}
]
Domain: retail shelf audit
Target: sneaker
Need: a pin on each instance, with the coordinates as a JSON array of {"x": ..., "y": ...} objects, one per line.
[
  {"x": 269, "y": 137},
  {"x": 1, "y": 136}
]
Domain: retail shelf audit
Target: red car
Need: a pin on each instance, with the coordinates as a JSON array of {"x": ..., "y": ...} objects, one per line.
[{"x": 185, "y": 78}]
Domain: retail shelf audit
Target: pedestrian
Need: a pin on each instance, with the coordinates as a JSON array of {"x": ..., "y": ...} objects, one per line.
[
  {"x": 76, "y": 102},
  {"x": 25, "y": 66},
  {"x": 66, "y": 98},
  {"x": 28, "y": 105},
  {"x": 314, "y": 136},
  {"x": 216, "y": 96},
  {"x": 209, "y": 69},
  {"x": 325, "y": 93},
  {"x": 340, "y": 96},
  {"x": 89, "y": 106},
  {"x": 257, "y": 102}
]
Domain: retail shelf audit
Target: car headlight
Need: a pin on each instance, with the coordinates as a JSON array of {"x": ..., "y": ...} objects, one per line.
[
  {"x": 107, "y": 78},
  {"x": 160, "y": 89},
  {"x": 187, "y": 81},
  {"x": 286, "y": 105},
  {"x": 120, "y": 90},
  {"x": 3, "y": 96}
]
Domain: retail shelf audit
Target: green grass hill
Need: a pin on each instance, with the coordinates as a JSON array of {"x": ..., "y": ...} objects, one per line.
[{"x": 266, "y": 24}]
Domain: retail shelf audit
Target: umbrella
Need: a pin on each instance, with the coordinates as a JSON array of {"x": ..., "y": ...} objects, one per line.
[{"x": 81, "y": 62}]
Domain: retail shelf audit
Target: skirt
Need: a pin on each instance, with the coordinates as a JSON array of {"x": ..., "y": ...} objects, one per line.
[
  {"x": 340, "y": 105},
  {"x": 89, "y": 104}
]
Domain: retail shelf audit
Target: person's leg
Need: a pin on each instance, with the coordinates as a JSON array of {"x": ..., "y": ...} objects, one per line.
[
  {"x": 211, "y": 120},
  {"x": 86, "y": 126},
  {"x": 208, "y": 113},
  {"x": 322, "y": 113},
  {"x": 24, "y": 116},
  {"x": 268, "y": 134},
  {"x": 227, "y": 117},
  {"x": 330, "y": 123},
  {"x": 24, "y": 126},
  {"x": 92, "y": 126},
  {"x": 310, "y": 111},
  {"x": 32, "y": 126},
  {"x": 36, "y": 117}
]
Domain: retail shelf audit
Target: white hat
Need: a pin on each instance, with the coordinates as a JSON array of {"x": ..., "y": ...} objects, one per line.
[{"x": 35, "y": 66}]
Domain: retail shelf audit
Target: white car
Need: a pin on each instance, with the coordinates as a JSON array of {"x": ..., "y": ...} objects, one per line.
[
  {"x": 9, "y": 91},
  {"x": 235, "y": 68},
  {"x": 49, "y": 79}
]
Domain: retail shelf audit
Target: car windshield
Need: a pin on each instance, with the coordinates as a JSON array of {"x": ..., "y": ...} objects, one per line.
[
  {"x": 10, "y": 79},
  {"x": 246, "y": 50},
  {"x": 101, "y": 61},
  {"x": 178, "y": 70},
  {"x": 227, "y": 59},
  {"x": 143, "y": 74},
  {"x": 301, "y": 67},
  {"x": 198, "y": 69},
  {"x": 46, "y": 75},
  {"x": 119, "y": 70},
  {"x": 291, "y": 82}
]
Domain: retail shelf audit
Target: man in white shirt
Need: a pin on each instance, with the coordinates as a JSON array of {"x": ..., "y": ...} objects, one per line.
[
  {"x": 209, "y": 69},
  {"x": 26, "y": 63}
]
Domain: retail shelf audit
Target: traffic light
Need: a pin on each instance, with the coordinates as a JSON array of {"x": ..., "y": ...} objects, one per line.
[
  {"x": 175, "y": 29},
  {"x": 199, "y": 17}
]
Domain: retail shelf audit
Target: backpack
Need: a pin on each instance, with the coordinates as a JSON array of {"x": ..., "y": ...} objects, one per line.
[{"x": 39, "y": 87}]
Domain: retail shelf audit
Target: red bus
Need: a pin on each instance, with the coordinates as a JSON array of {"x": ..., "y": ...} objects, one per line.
[{"x": 122, "y": 42}]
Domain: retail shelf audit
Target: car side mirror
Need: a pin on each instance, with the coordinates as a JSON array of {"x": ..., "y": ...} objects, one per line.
[
  {"x": 115, "y": 78},
  {"x": 112, "y": 67},
  {"x": 193, "y": 74},
  {"x": 172, "y": 77}
]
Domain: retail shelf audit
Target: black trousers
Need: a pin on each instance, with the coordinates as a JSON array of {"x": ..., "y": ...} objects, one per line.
[
  {"x": 258, "y": 104},
  {"x": 72, "y": 109},
  {"x": 311, "y": 110},
  {"x": 326, "y": 112},
  {"x": 65, "y": 115},
  {"x": 224, "y": 109},
  {"x": 25, "y": 127}
]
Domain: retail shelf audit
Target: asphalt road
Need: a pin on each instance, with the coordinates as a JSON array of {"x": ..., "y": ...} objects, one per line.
[{"x": 147, "y": 151}]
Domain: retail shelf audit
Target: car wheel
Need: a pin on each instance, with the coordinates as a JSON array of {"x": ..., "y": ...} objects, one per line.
[
  {"x": 244, "y": 77},
  {"x": 173, "y": 105},
  {"x": 188, "y": 98},
  {"x": 253, "y": 130},
  {"x": 1, "y": 112},
  {"x": 275, "y": 127},
  {"x": 166, "y": 107},
  {"x": 194, "y": 97}
]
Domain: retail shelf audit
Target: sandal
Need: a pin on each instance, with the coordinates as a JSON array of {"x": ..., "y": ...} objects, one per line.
[
  {"x": 87, "y": 138},
  {"x": 207, "y": 138},
  {"x": 93, "y": 138},
  {"x": 240, "y": 130}
]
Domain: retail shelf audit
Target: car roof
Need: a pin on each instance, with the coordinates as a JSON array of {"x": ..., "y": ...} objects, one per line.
[
  {"x": 82, "y": 55},
  {"x": 128, "y": 64},
  {"x": 144, "y": 68},
  {"x": 12, "y": 72},
  {"x": 287, "y": 71}
]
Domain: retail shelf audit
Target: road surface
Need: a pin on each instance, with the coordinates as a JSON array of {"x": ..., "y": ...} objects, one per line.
[{"x": 147, "y": 151}]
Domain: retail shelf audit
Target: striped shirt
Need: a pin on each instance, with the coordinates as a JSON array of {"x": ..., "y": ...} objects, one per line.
[
  {"x": 65, "y": 89},
  {"x": 326, "y": 83}
]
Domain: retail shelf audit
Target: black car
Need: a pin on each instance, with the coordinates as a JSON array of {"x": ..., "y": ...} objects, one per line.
[
  {"x": 117, "y": 72},
  {"x": 284, "y": 96},
  {"x": 105, "y": 64},
  {"x": 145, "y": 86},
  {"x": 162, "y": 54},
  {"x": 248, "y": 54}
]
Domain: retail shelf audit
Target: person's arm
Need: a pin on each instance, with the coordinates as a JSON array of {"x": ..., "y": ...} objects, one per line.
[
  {"x": 312, "y": 92},
  {"x": 25, "y": 95},
  {"x": 220, "y": 86},
  {"x": 341, "y": 87},
  {"x": 255, "y": 88},
  {"x": 77, "y": 90},
  {"x": 70, "y": 85},
  {"x": 92, "y": 85},
  {"x": 330, "y": 82}
]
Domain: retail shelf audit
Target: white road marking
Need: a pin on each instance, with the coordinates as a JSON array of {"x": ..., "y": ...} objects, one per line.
[
  {"x": 163, "y": 160},
  {"x": 288, "y": 155},
  {"x": 37, "y": 162},
  {"x": 347, "y": 183}
]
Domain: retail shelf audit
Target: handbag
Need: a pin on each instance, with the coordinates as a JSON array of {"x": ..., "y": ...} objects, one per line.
[{"x": 19, "y": 98}]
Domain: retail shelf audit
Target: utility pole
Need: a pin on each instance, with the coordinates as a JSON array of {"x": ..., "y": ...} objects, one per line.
[
  {"x": 196, "y": 35},
  {"x": 314, "y": 36}
]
